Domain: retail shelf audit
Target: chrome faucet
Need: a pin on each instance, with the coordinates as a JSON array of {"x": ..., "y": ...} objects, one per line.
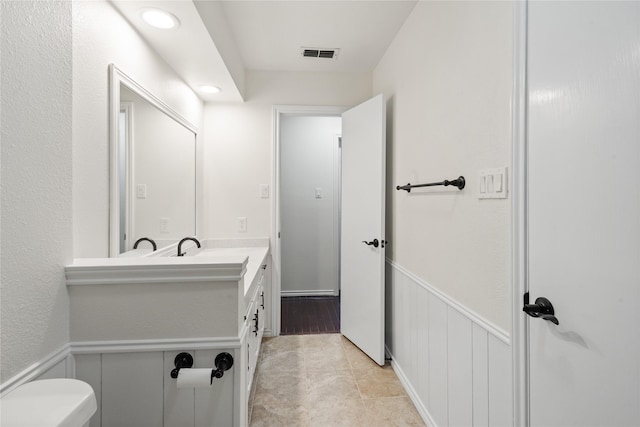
[
  {"x": 142, "y": 239},
  {"x": 193, "y": 239}
]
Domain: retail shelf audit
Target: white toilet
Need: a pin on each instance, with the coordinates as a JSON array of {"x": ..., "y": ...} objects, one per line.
[{"x": 58, "y": 402}]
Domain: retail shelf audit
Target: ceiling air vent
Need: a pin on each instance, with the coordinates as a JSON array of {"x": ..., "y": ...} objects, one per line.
[{"x": 312, "y": 52}]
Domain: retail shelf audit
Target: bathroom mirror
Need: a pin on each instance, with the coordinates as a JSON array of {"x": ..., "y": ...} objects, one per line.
[{"x": 153, "y": 169}]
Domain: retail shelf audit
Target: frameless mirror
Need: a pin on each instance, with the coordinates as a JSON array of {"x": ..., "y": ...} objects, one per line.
[{"x": 153, "y": 169}]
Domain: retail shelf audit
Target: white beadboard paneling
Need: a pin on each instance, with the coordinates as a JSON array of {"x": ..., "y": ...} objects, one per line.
[
  {"x": 500, "y": 394},
  {"x": 438, "y": 362},
  {"x": 398, "y": 321},
  {"x": 214, "y": 405},
  {"x": 414, "y": 327},
  {"x": 455, "y": 366},
  {"x": 403, "y": 311},
  {"x": 423, "y": 346},
  {"x": 474, "y": 317},
  {"x": 480, "y": 377},
  {"x": 89, "y": 370},
  {"x": 460, "y": 378},
  {"x": 132, "y": 389},
  {"x": 390, "y": 274},
  {"x": 410, "y": 328},
  {"x": 178, "y": 403}
]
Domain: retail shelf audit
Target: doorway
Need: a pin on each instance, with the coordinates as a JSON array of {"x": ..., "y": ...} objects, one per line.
[
  {"x": 361, "y": 214},
  {"x": 309, "y": 213}
]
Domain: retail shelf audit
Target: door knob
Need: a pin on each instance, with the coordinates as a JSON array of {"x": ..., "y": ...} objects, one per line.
[
  {"x": 375, "y": 243},
  {"x": 542, "y": 309}
]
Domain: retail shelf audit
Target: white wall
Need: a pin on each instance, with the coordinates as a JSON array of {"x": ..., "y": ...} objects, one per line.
[
  {"x": 102, "y": 36},
  {"x": 36, "y": 182},
  {"x": 448, "y": 79},
  {"x": 238, "y": 143},
  {"x": 309, "y": 225}
]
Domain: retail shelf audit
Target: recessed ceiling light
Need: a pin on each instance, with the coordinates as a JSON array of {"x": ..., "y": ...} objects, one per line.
[
  {"x": 210, "y": 89},
  {"x": 160, "y": 19}
]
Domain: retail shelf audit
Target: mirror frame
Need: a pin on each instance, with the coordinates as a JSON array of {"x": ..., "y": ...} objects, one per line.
[{"x": 116, "y": 78}]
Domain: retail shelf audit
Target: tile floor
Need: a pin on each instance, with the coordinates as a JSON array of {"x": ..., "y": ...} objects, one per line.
[{"x": 325, "y": 381}]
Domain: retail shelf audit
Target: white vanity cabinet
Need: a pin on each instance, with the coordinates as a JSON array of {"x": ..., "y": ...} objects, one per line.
[
  {"x": 254, "y": 322},
  {"x": 137, "y": 314}
]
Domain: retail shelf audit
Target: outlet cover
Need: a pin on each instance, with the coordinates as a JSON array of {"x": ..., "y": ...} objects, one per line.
[
  {"x": 264, "y": 191},
  {"x": 242, "y": 224}
]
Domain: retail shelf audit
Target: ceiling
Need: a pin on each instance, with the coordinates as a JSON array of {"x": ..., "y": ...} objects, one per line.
[{"x": 218, "y": 41}]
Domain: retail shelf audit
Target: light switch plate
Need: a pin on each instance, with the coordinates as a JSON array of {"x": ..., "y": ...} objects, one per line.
[{"x": 492, "y": 183}]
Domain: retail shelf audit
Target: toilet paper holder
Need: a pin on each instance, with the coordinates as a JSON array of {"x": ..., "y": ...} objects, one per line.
[
  {"x": 223, "y": 362},
  {"x": 182, "y": 360}
]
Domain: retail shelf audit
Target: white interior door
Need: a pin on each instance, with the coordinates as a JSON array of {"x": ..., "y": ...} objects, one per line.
[
  {"x": 363, "y": 214},
  {"x": 584, "y": 212}
]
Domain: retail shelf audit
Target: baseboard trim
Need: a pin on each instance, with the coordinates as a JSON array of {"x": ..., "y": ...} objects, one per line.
[
  {"x": 494, "y": 330},
  {"x": 315, "y": 293},
  {"x": 424, "y": 413},
  {"x": 35, "y": 370},
  {"x": 136, "y": 346}
]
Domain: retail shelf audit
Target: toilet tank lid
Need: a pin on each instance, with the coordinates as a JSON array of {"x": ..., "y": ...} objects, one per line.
[{"x": 58, "y": 402}]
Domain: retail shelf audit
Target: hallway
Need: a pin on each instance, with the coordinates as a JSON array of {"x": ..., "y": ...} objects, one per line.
[
  {"x": 310, "y": 315},
  {"x": 325, "y": 381}
]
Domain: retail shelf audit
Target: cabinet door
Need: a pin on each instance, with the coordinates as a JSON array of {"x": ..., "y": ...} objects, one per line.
[{"x": 252, "y": 341}]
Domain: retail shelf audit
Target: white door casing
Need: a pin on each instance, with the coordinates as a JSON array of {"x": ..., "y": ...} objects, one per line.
[
  {"x": 279, "y": 111},
  {"x": 363, "y": 219},
  {"x": 583, "y": 214}
]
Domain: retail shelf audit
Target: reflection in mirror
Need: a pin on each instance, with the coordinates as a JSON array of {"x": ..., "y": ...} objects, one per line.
[{"x": 153, "y": 184}]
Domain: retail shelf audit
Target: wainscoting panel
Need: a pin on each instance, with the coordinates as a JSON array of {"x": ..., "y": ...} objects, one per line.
[
  {"x": 455, "y": 365},
  {"x": 423, "y": 342},
  {"x": 135, "y": 388},
  {"x": 460, "y": 355},
  {"x": 500, "y": 380},
  {"x": 214, "y": 405},
  {"x": 178, "y": 403},
  {"x": 438, "y": 358},
  {"x": 89, "y": 370},
  {"x": 480, "y": 377},
  {"x": 132, "y": 387}
]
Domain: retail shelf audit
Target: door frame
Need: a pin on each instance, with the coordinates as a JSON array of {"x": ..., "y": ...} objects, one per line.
[
  {"x": 519, "y": 228},
  {"x": 276, "y": 261},
  {"x": 126, "y": 149}
]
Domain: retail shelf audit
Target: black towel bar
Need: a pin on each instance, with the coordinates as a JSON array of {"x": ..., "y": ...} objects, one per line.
[{"x": 458, "y": 182}]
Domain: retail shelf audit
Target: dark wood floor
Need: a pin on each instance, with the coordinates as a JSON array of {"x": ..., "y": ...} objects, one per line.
[{"x": 310, "y": 315}]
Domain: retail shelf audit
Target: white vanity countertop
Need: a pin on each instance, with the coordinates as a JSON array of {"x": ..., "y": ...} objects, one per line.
[
  {"x": 218, "y": 260},
  {"x": 256, "y": 258}
]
